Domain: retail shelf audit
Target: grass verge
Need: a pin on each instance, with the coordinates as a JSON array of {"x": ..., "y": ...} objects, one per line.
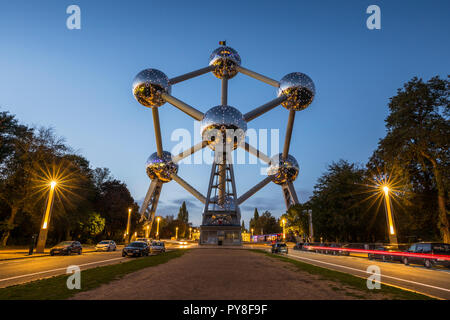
[
  {"x": 348, "y": 279},
  {"x": 55, "y": 288}
]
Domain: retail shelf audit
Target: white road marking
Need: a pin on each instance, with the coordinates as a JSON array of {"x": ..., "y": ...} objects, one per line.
[
  {"x": 364, "y": 271},
  {"x": 58, "y": 269}
]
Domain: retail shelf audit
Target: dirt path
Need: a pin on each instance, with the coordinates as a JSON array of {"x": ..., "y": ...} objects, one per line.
[{"x": 223, "y": 274}]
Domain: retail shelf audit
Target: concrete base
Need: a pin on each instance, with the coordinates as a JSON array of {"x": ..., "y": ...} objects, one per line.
[{"x": 220, "y": 235}]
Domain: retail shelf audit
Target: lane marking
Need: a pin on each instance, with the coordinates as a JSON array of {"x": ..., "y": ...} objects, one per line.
[
  {"x": 58, "y": 269},
  {"x": 364, "y": 271}
]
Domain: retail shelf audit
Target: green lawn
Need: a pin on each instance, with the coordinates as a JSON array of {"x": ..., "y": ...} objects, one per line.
[
  {"x": 347, "y": 279},
  {"x": 56, "y": 288}
]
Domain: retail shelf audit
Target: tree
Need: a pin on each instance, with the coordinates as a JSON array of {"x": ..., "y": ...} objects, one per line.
[
  {"x": 243, "y": 229},
  {"x": 183, "y": 219},
  {"x": 418, "y": 138},
  {"x": 264, "y": 224},
  {"x": 297, "y": 217},
  {"x": 338, "y": 203}
]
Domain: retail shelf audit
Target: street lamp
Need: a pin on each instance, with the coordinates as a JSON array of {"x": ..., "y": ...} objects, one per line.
[
  {"x": 46, "y": 220},
  {"x": 128, "y": 223},
  {"x": 389, "y": 217},
  {"x": 190, "y": 233},
  {"x": 157, "y": 227},
  {"x": 284, "y": 229},
  {"x": 176, "y": 233}
]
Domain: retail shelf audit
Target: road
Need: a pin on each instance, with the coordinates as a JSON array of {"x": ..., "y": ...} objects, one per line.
[
  {"x": 24, "y": 270},
  {"x": 434, "y": 282}
]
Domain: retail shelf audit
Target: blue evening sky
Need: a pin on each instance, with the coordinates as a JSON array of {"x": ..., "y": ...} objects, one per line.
[{"x": 79, "y": 81}]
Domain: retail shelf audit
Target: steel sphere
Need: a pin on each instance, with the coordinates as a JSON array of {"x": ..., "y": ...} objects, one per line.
[
  {"x": 223, "y": 124},
  {"x": 300, "y": 90},
  {"x": 283, "y": 170},
  {"x": 225, "y": 60},
  {"x": 161, "y": 168},
  {"x": 148, "y": 86}
]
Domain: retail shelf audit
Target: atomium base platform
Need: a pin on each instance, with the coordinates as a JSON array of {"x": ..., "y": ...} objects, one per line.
[{"x": 226, "y": 235}]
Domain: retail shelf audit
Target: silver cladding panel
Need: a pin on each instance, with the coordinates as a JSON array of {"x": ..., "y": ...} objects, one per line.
[
  {"x": 283, "y": 170},
  {"x": 224, "y": 59},
  {"x": 300, "y": 90},
  {"x": 161, "y": 168},
  {"x": 148, "y": 85},
  {"x": 220, "y": 118}
]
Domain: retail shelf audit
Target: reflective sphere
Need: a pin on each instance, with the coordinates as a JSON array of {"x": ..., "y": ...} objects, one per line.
[
  {"x": 283, "y": 170},
  {"x": 224, "y": 59},
  {"x": 300, "y": 90},
  {"x": 161, "y": 168},
  {"x": 148, "y": 86},
  {"x": 223, "y": 124}
]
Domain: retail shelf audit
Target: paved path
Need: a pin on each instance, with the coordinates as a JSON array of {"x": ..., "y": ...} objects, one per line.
[{"x": 223, "y": 274}]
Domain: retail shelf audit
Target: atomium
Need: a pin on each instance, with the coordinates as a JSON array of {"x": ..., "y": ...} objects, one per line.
[
  {"x": 221, "y": 126},
  {"x": 148, "y": 86},
  {"x": 224, "y": 124},
  {"x": 299, "y": 89},
  {"x": 283, "y": 170},
  {"x": 161, "y": 168},
  {"x": 225, "y": 60}
]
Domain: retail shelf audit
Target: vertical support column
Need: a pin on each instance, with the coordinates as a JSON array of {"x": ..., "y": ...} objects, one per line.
[
  {"x": 222, "y": 180},
  {"x": 224, "y": 100},
  {"x": 155, "y": 201},
  {"x": 290, "y": 196}
]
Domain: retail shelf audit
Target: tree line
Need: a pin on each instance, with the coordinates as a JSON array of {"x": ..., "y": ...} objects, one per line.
[
  {"x": 412, "y": 159},
  {"x": 90, "y": 204}
]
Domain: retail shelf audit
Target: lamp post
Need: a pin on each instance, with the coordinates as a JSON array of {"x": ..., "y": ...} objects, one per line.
[
  {"x": 190, "y": 233},
  {"x": 157, "y": 227},
  {"x": 389, "y": 217},
  {"x": 128, "y": 225},
  {"x": 46, "y": 219},
  {"x": 284, "y": 229},
  {"x": 176, "y": 233}
]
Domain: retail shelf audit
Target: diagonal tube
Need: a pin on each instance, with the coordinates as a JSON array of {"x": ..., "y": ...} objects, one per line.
[
  {"x": 159, "y": 148},
  {"x": 147, "y": 198},
  {"x": 189, "y": 188},
  {"x": 249, "y": 116},
  {"x": 191, "y": 111},
  {"x": 186, "y": 153},
  {"x": 255, "y": 152},
  {"x": 255, "y": 189},
  {"x": 287, "y": 139},
  {"x": 191, "y": 75},
  {"x": 258, "y": 76}
]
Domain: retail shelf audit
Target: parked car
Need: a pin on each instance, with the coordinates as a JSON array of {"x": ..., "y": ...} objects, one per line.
[
  {"x": 157, "y": 246},
  {"x": 136, "y": 249},
  {"x": 333, "y": 252},
  {"x": 279, "y": 248},
  {"x": 298, "y": 246},
  {"x": 147, "y": 240},
  {"x": 383, "y": 255},
  {"x": 66, "y": 248},
  {"x": 106, "y": 245},
  {"x": 322, "y": 245},
  {"x": 428, "y": 248}
]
